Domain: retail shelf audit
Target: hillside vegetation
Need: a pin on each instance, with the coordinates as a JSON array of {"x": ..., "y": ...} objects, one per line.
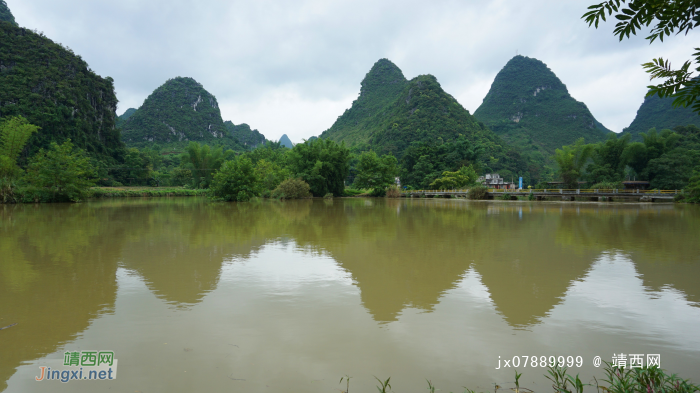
[
  {"x": 531, "y": 108},
  {"x": 659, "y": 113},
  {"x": 420, "y": 124},
  {"x": 125, "y": 116},
  {"x": 178, "y": 112},
  {"x": 55, "y": 89},
  {"x": 245, "y": 135},
  {"x": 5, "y": 14},
  {"x": 379, "y": 89}
]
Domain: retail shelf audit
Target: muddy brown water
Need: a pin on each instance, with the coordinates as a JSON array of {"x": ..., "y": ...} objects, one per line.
[{"x": 196, "y": 296}]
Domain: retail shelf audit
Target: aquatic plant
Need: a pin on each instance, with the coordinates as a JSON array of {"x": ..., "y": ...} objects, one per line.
[
  {"x": 478, "y": 192},
  {"x": 505, "y": 197},
  {"x": 383, "y": 385},
  {"x": 619, "y": 380},
  {"x": 393, "y": 192}
]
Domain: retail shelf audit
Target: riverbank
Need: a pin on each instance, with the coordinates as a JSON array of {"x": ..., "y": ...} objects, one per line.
[{"x": 141, "y": 192}]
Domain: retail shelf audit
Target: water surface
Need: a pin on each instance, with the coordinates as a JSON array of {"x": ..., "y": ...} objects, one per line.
[{"x": 199, "y": 296}]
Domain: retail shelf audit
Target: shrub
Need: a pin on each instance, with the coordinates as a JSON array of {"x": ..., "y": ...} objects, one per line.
[
  {"x": 393, "y": 192},
  {"x": 505, "y": 197},
  {"x": 235, "y": 181},
  {"x": 607, "y": 186},
  {"x": 375, "y": 172},
  {"x": 353, "y": 192},
  {"x": 377, "y": 192},
  {"x": 465, "y": 176},
  {"x": 478, "y": 192},
  {"x": 292, "y": 189},
  {"x": 60, "y": 174},
  {"x": 693, "y": 189}
]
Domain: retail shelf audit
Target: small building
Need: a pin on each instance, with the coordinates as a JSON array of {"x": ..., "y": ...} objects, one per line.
[{"x": 493, "y": 180}]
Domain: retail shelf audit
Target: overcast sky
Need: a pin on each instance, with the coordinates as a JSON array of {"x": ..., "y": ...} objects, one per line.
[{"x": 294, "y": 66}]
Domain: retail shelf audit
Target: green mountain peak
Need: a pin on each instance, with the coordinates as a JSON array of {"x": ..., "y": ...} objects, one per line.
[
  {"x": 424, "y": 112},
  {"x": 286, "y": 142},
  {"x": 384, "y": 79},
  {"x": 529, "y": 106},
  {"x": 659, "y": 113},
  {"x": 127, "y": 114},
  {"x": 417, "y": 121},
  {"x": 55, "y": 89},
  {"x": 380, "y": 87},
  {"x": 179, "y": 111},
  {"x": 245, "y": 135}
]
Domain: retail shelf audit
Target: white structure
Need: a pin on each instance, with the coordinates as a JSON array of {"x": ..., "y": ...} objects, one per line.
[{"x": 492, "y": 180}]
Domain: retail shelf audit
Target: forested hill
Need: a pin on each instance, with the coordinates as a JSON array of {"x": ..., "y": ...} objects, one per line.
[
  {"x": 530, "y": 107},
  {"x": 179, "y": 111},
  {"x": 392, "y": 112},
  {"x": 424, "y": 112},
  {"x": 55, "y": 89},
  {"x": 659, "y": 113},
  {"x": 5, "y": 14},
  {"x": 423, "y": 126},
  {"x": 379, "y": 89},
  {"x": 247, "y": 137},
  {"x": 125, "y": 116}
]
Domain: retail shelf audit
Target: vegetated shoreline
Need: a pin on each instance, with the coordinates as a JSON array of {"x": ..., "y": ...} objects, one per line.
[
  {"x": 165, "y": 192},
  {"x": 144, "y": 192}
]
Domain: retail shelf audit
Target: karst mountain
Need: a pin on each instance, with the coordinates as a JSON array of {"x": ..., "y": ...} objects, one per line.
[
  {"x": 530, "y": 107},
  {"x": 659, "y": 113}
]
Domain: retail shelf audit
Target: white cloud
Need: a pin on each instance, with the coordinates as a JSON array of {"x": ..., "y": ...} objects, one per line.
[{"x": 293, "y": 67}]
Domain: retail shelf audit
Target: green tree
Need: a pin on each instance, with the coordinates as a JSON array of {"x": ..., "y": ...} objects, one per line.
[
  {"x": 14, "y": 134},
  {"x": 181, "y": 176},
  {"x": 464, "y": 177},
  {"x": 322, "y": 163},
  {"x": 672, "y": 170},
  {"x": 571, "y": 159},
  {"x": 203, "y": 162},
  {"x": 609, "y": 160},
  {"x": 272, "y": 151},
  {"x": 693, "y": 188},
  {"x": 638, "y": 155},
  {"x": 138, "y": 167},
  {"x": 236, "y": 181},
  {"x": 376, "y": 173},
  {"x": 60, "y": 174},
  {"x": 668, "y": 17},
  {"x": 271, "y": 174}
]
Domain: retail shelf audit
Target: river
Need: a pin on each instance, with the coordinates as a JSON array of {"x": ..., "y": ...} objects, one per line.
[{"x": 197, "y": 296}]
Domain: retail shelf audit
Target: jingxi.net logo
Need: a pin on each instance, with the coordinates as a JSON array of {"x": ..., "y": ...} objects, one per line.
[{"x": 80, "y": 366}]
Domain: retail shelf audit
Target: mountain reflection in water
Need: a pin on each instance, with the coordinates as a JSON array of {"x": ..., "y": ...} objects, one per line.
[{"x": 59, "y": 265}]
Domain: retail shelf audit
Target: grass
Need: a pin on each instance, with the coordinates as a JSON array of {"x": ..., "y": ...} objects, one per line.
[
  {"x": 140, "y": 192},
  {"x": 618, "y": 380},
  {"x": 351, "y": 192}
]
